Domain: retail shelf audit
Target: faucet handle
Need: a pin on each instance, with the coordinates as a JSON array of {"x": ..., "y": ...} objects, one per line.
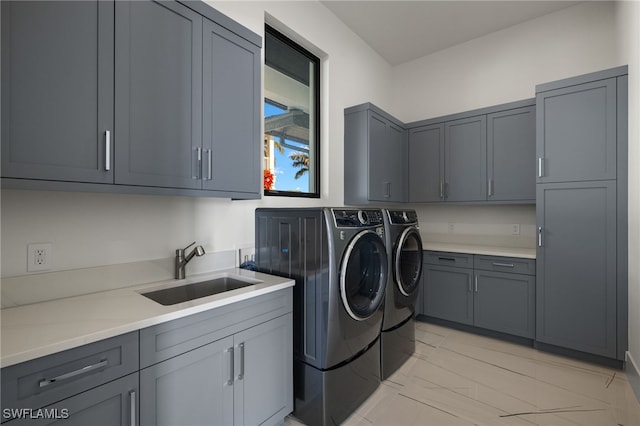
[{"x": 185, "y": 249}]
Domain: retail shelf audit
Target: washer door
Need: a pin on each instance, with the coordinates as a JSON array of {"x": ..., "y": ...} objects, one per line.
[
  {"x": 363, "y": 275},
  {"x": 408, "y": 261}
]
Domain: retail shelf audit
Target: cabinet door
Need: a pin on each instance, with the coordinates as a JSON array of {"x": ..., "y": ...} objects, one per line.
[
  {"x": 263, "y": 391},
  {"x": 57, "y": 90},
  {"x": 466, "y": 159},
  {"x": 576, "y": 266},
  {"x": 505, "y": 302},
  {"x": 158, "y": 94},
  {"x": 231, "y": 102},
  {"x": 426, "y": 163},
  {"x": 195, "y": 388},
  {"x": 511, "y": 155},
  {"x": 449, "y": 293},
  {"x": 387, "y": 152},
  {"x": 114, "y": 403},
  {"x": 576, "y": 132}
]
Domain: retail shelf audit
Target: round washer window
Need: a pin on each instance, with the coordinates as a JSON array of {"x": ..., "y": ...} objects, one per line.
[
  {"x": 363, "y": 275},
  {"x": 408, "y": 261}
]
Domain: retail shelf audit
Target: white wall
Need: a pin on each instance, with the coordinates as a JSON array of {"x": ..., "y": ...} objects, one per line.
[
  {"x": 628, "y": 25},
  {"x": 103, "y": 229}
]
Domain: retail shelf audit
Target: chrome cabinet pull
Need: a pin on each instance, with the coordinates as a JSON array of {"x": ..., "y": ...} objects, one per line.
[
  {"x": 107, "y": 150},
  {"x": 66, "y": 376},
  {"x": 540, "y": 167},
  {"x": 470, "y": 285},
  {"x": 230, "y": 381},
  {"x": 241, "y": 375},
  {"x": 506, "y": 265},
  {"x": 387, "y": 189},
  {"x": 476, "y": 284},
  {"x": 132, "y": 409},
  {"x": 539, "y": 236},
  {"x": 490, "y": 187},
  {"x": 446, "y": 259},
  {"x": 210, "y": 165},
  {"x": 441, "y": 189},
  {"x": 198, "y": 174}
]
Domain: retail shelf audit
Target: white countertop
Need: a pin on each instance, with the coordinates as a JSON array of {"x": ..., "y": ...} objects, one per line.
[
  {"x": 40, "y": 329},
  {"x": 527, "y": 253}
]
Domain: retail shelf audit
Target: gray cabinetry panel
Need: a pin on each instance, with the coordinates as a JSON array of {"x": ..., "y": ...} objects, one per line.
[
  {"x": 448, "y": 293},
  {"x": 513, "y": 265},
  {"x": 576, "y": 132},
  {"x": 57, "y": 90},
  {"x": 195, "y": 388},
  {"x": 231, "y": 94},
  {"x": 43, "y": 381},
  {"x": 112, "y": 404},
  {"x": 158, "y": 94},
  {"x": 426, "y": 164},
  {"x": 375, "y": 156},
  {"x": 465, "y": 159},
  {"x": 505, "y": 302},
  {"x": 576, "y": 266},
  {"x": 511, "y": 151}
]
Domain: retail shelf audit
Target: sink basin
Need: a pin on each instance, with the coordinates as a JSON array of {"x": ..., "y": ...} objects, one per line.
[{"x": 184, "y": 293}]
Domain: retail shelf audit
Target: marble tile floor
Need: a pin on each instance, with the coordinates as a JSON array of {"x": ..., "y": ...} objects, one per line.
[{"x": 457, "y": 378}]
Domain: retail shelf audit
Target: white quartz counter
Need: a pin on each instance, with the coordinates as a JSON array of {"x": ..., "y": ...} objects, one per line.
[
  {"x": 527, "y": 253},
  {"x": 40, "y": 329}
]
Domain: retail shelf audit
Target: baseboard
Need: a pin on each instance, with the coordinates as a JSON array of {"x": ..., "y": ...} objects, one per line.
[{"x": 633, "y": 374}]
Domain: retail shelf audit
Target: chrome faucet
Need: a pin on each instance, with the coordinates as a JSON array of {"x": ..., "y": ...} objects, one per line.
[{"x": 181, "y": 260}]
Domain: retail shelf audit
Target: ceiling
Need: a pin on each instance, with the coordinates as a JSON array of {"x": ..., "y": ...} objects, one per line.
[{"x": 401, "y": 31}]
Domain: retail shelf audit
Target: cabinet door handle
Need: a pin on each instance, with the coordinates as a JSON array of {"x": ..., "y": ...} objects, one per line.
[
  {"x": 505, "y": 265},
  {"x": 67, "y": 376},
  {"x": 230, "y": 381},
  {"x": 132, "y": 408},
  {"x": 241, "y": 375},
  {"x": 107, "y": 150},
  {"x": 490, "y": 187},
  {"x": 387, "y": 189},
  {"x": 540, "y": 167},
  {"x": 446, "y": 190},
  {"x": 470, "y": 285},
  {"x": 447, "y": 259},
  {"x": 210, "y": 165},
  {"x": 476, "y": 284},
  {"x": 441, "y": 189},
  {"x": 539, "y": 236}
]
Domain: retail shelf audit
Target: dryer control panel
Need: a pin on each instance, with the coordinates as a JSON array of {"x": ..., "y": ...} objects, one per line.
[
  {"x": 357, "y": 218},
  {"x": 402, "y": 217}
]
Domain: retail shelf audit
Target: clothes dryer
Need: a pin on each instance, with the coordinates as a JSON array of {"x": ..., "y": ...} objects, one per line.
[
  {"x": 404, "y": 249},
  {"x": 339, "y": 261}
]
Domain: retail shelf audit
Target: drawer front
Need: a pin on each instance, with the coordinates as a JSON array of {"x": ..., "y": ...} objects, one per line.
[
  {"x": 43, "y": 381},
  {"x": 514, "y": 265},
  {"x": 441, "y": 258},
  {"x": 173, "y": 338}
]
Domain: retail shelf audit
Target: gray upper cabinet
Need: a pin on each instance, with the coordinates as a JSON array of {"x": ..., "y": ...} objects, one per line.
[
  {"x": 231, "y": 83},
  {"x": 158, "y": 97},
  {"x": 375, "y": 156},
  {"x": 511, "y": 150},
  {"x": 426, "y": 163},
  {"x": 158, "y": 94},
  {"x": 57, "y": 90},
  {"x": 481, "y": 156},
  {"x": 576, "y": 139},
  {"x": 465, "y": 169}
]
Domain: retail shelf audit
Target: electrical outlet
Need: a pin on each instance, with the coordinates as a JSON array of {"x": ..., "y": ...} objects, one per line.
[
  {"x": 515, "y": 229},
  {"x": 39, "y": 257}
]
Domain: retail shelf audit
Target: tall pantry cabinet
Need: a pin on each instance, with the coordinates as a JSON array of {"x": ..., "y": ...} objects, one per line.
[{"x": 581, "y": 213}]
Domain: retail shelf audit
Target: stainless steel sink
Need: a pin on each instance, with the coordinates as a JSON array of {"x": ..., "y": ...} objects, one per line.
[{"x": 184, "y": 293}]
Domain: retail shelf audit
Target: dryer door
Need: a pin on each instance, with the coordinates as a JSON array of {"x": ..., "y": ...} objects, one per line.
[
  {"x": 408, "y": 261},
  {"x": 363, "y": 275}
]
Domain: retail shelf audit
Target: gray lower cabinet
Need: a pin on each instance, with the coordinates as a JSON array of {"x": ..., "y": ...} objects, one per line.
[
  {"x": 375, "y": 156},
  {"x": 57, "y": 90},
  {"x": 493, "y": 293},
  {"x": 92, "y": 384},
  {"x": 231, "y": 365}
]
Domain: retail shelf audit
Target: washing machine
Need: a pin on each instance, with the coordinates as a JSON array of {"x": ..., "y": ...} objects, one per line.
[
  {"x": 404, "y": 249},
  {"x": 339, "y": 261}
]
